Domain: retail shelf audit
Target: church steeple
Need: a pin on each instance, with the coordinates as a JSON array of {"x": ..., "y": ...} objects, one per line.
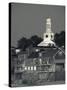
[
  {"x": 49, "y": 35},
  {"x": 48, "y": 25}
]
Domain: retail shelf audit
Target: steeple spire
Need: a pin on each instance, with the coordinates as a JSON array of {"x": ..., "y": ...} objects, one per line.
[
  {"x": 49, "y": 35},
  {"x": 48, "y": 25}
]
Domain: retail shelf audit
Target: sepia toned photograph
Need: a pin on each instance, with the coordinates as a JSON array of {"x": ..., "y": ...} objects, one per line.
[{"x": 36, "y": 44}]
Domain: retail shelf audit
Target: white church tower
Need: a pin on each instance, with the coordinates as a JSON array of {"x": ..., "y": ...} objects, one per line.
[{"x": 48, "y": 35}]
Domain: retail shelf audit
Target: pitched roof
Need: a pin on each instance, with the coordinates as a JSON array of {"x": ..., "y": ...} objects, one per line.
[
  {"x": 46, "y": 43},
  {"x": 47, "y": 52}
]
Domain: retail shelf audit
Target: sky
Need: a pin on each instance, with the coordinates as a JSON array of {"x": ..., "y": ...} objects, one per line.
[{"x": 30, "y": 19}]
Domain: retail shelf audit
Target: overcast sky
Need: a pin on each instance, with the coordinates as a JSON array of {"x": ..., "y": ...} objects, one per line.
[{"x": 29, "y": 19}]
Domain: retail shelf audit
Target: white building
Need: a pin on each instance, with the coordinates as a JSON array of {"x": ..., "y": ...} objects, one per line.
[{"x": 48, "y": 35}]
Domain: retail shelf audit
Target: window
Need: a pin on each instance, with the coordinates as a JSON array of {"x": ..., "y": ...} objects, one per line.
[
  {"x": 35, "y": 68},
  {"x": 37, "y": 62},
  {"x": 37, "y": 50},
  {"x": 28, "y": 68},
  {"x": 31, "y": 67},
  {"x": 40, "y": 60},
  {"x": 25, "y": 68},
  {"x": 40, "y": 54},
  {"x": 45, "y": 60}
]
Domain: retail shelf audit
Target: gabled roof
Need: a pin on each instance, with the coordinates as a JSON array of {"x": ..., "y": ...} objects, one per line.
[
  {"x": 47, "y": 52},
  {"x": 59, "y": 55}
]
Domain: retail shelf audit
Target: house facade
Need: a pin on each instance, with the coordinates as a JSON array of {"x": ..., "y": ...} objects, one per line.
[{"x": 41, "y": 64}]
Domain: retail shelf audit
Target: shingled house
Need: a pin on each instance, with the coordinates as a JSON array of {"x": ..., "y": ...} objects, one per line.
[{"x": 41, "y": 64}]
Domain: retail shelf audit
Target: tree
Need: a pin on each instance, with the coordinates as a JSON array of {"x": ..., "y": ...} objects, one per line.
[
  {"x": 23, "y": 43},
  {"x": 35, "y": 40},
  {"x": 60, "y": 38}
]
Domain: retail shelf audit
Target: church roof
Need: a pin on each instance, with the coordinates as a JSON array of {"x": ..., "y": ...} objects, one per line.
[{"x": 46, "y": 43}]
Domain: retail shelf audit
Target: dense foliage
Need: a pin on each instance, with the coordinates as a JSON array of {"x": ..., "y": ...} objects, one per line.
[{"x": 23, "y": 43}]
